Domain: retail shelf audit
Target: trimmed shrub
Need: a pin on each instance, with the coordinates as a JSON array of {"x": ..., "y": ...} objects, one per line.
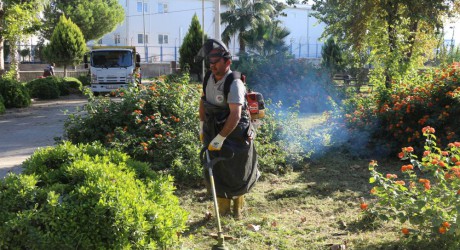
[
  {"x": 72, "y": 84},
  {"x": 2, "y": 105},
  {"x": 44, "y": 88},
  {"x": 88, "y": 197},
  {"x": 14, "y": 93},
  {"x": 85, "y": 80}
]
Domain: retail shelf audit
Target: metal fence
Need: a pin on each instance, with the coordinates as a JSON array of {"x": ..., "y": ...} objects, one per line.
[{"x": 171, "y": 53}]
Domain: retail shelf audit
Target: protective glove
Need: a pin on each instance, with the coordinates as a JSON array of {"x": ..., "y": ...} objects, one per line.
[
  {"x": 201, "y": 131},
  {"x": 216, "y": 143}
]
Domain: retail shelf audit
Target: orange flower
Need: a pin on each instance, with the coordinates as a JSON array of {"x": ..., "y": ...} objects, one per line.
[
  {"x": 391, "y": 176},
  {"x": 402, "y": 183},
  {"x": 408, "y": 149},
  {"x": 442, "y": 230},
  {"x": 428, "y": 129},
  {"x": 446, "y": 224},
  {"x": 426, "y": 153},
  {"x": 407, "y": 167},
  {"x": 363, "y": 206},
  {"x": 405, "y": 231},
  {"x": 373, "y": 190}
]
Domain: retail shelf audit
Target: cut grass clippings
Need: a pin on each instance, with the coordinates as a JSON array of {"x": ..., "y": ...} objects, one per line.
[{"x": 313, "y": 208}]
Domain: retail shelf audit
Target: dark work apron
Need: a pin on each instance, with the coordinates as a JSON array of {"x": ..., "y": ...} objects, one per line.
[{"x": 235, "y": 176}]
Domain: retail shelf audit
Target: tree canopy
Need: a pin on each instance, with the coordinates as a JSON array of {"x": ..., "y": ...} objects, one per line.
[
  {"x": 397, "y": 33},
  {"x": 95, "y": 18},
  {"x": 243, "y": 16},
  {"x": 190, "y": 47},
  {"x": 67, "y": 44},
  {"x": 18, "y": 19}
]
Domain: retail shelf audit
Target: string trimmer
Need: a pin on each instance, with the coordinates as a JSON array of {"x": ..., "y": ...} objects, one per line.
[{"x": 209, "y": 165}]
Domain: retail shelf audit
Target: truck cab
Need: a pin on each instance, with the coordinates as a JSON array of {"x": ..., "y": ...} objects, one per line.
[{"x": 111, "y": 68}]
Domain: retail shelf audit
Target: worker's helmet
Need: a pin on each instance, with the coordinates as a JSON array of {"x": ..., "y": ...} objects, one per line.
[{"x": 213, "y": 48}]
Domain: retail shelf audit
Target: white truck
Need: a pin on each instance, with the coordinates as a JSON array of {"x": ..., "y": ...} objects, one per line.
[{"x": 113, "y": 67}]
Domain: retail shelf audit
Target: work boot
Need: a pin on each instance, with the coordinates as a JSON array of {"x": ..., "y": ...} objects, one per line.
[
  {"x": 238, "y": 207},
  {"x": 224, "y": 206}
]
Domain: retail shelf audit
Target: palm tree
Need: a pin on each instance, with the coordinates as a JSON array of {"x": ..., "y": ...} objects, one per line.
[
  {"x": 267, "y": 39},
  {"x": 244, "y": 15}
]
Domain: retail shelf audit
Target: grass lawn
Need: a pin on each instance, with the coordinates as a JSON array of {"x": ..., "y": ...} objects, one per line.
[{"x": 311, "y": 208}]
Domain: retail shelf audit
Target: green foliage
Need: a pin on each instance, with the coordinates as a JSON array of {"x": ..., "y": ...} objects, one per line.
[
  {"x": 67, "y": 45},
  {"x": 267, "y": 39},
  {"x": 24, "y": 52},
  {"x": 84, "y": 79},
  {"x": 243, "y": 17},
  {"x": 72, "y": 85},
  {"x": 426, "y": 196},
  {"x": 190, "y": 46},
  {"x": 52, "y": 87},
  {"x": 95, "y": 18},
  {"x": 2, "y": 105},
  {"x": 14, "y": 93},
  {"x": 332, "y": 56},
  {"x": 399, "y": 34},
  {"x": 100, "y": 197},
  {"x": 44, "y": 88},
  {"x": 157, "y": 123},
  {"x": 393, "y": 118}
]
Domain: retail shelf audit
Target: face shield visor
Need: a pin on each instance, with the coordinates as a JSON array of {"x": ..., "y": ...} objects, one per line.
[{"x": 212, "y": 50}]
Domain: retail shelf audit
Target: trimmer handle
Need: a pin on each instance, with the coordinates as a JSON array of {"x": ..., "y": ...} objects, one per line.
[{"x": 204, "y": 154}]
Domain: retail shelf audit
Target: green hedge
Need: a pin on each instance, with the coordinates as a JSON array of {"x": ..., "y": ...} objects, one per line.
[
  {"x": 2, "y": 105},
  {"x": 88, "y": 197},
  {"x": 52, "y": 87},
  {"x": 14, "y": 93}
]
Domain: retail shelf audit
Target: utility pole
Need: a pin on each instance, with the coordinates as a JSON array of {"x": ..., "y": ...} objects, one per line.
[
  {"x": 143, "y": 40},
  {"x": 202, "y": 37},
  {"x": 217, "y": 18}
]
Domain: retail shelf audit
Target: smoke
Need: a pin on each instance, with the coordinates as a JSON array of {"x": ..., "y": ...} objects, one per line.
[{"x": 312, "y": 119}]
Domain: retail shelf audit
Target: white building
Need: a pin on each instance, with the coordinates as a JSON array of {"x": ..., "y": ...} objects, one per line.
[{"x": 165, "y": 23}]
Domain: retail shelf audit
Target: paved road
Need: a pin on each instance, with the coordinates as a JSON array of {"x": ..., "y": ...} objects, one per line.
[{"x": 24, "y": 130}]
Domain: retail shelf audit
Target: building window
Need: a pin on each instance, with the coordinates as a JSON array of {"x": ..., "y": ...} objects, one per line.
[
  {"x": 162, "y": 7},
  {"x": 141, "y": 40},
  {"x": 139, "y": 6},
  {"x": 162, "y": 39},
  {"x": 117, "y": 38}
]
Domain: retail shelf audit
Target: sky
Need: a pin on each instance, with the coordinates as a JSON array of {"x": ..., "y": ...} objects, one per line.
[{"x": 455, "y": 30}]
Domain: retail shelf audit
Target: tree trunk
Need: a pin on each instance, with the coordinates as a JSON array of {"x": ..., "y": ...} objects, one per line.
[
  {"x": 392, "y": 11},
  {"x": 2, "y": 62},
  {"x": 411, "y": 40},
  {"x": 242, "y": 45},
  {"x": 65, "y": 71},
  {"x": 14, "y": 64}
]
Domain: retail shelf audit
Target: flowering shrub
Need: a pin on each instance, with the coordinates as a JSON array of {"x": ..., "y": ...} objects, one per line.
[
  {"x": 426, "y": 193},
  {"x": 157, "y": 123},
  {"x": 394, "y": 117}
]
